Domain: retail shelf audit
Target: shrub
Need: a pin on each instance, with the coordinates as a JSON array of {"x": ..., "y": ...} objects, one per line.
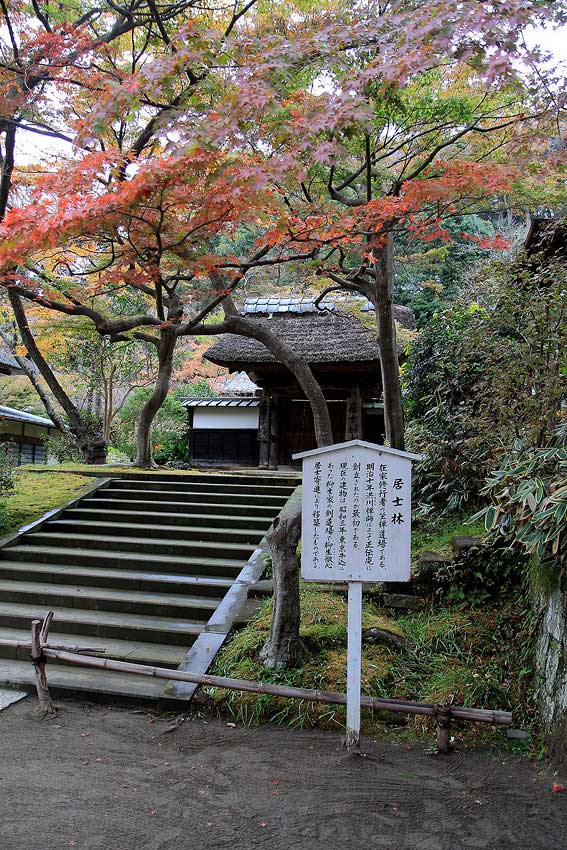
[
  {"x": 4, "y": 519},
  {"x": 528, "y": 505},
  {"x": 169, "y": 430},
  {"x": 482, "y": 375},
  {"x": 6, "y": 483},
  {"x": 62, "y": 447},
  {"x": 7, "y": 467},
  {"x": 476, "y": 575},
  {"x": 116, "y": 458}
]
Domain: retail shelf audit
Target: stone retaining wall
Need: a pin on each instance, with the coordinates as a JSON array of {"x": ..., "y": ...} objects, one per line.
[{"x": 551, "y": 672}]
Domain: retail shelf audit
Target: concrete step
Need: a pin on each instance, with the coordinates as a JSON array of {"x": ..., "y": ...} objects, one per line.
[
  {"x": 108, "y": 599},
  {"x": 220, "y": 508},
  {"x": 78, "y": 681},
  {"x": 66, "y": 556},
  {"x": 138, "y": 568},
  {"x": 222, "y": 487},
  {"x": 117, "y": 543},
  {"x": 124, "y": 626},
  {"x": 196, "y": 521},
  {"x": 151, "y": 582},
  {"x": 182, "y": 532},
  {"x": 259, "y": 477},
  {"x": 276, "y": 503},
  {"x": 121, "y": 650}
]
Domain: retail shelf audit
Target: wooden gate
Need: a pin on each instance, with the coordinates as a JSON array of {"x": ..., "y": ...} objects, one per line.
[{"x": 297, "y": 431}]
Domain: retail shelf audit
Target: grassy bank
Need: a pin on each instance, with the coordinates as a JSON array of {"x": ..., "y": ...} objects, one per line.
[
  {"x": 453, "y": 655},
  {"x": 33, "y": 495}
]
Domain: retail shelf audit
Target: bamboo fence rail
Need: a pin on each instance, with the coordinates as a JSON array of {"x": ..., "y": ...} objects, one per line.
[{"x": 42, "y": 649}]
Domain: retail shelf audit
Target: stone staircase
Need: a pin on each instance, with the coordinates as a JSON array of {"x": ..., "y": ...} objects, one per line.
[{"x": 138, "y": 567}]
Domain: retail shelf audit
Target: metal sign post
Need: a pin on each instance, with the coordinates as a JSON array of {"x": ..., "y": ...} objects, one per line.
[{"x": 356, "y": 528}]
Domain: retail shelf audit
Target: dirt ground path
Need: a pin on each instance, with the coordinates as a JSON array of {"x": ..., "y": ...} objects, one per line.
[{"x": 113, "y": 779}]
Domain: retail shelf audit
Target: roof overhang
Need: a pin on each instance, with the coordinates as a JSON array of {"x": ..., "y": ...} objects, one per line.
[
  {"x": 221, "y": 402},
  {"x": 12, "y": 413}
]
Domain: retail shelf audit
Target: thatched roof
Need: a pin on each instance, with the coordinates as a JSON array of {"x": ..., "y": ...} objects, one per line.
[
  {"x": 319, "y": 338},
  {"x": 547, "y": 237}
]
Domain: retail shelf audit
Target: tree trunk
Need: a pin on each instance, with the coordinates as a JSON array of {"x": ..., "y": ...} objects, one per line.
[
  {"x": 45, "y": 400},
  {"x": 76, "y": 424},
  {"x": 551, "y": 671},
  {"x": 166, "y": 348},
  {"x": 381, "y": 296},
  {"x": 284, "y": 648},
  {"x": 6, "y": 169}
]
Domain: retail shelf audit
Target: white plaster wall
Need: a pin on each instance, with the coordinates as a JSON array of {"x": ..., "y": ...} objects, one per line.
[{"x": 226, "y": 417}]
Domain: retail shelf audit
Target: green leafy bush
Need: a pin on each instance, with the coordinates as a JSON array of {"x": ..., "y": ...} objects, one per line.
[
  {"x": 4, "y": 519},
  {"x": 475, "y": 576},
  {"x": 62, "y": 446},
  {"x": 442, "y": 382},
  {"x": 168, "y": 431},
  {"x": 481, "y": 375},
  {"x": 7, "y": 467},
  {"x": 116, "y": 458},
  {"x": 528, "y": 505}
]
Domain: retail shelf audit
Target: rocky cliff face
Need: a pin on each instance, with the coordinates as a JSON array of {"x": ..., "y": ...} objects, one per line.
[{"x": 551, "y": 670}]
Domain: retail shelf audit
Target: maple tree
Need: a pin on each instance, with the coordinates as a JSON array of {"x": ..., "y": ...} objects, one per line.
[
  {"x": 326, "y": 126},
  {"x": 445, "y": 140},
  {"x": 99, "y": 227},
  {"x": 213, "y": 118}
]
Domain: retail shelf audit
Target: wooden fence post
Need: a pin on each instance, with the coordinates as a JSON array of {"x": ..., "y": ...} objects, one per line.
[
  {"x": 37, "y": 632},
  {"x": 443, "y": 722}
]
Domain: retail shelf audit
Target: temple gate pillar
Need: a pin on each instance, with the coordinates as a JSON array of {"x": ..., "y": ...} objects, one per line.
[
  {"x": 353, "y": 430},
  {"x": 264, "y": 432},
  {"x": 274, "y": 431}
]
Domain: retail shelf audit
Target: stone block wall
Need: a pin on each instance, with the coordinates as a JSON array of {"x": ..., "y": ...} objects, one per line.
[{"x": 551, "y": 672}]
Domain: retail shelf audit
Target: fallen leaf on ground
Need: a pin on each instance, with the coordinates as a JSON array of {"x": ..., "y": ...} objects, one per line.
[{"x": 558, "y": 788}]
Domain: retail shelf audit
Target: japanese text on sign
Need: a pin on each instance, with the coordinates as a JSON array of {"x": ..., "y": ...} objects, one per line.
[{"x": 356, "y": 515}]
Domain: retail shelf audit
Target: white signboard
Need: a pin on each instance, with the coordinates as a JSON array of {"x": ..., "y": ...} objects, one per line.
[
  {"x": 356, "y": 527},
  {"x": 356, "y": 523}
]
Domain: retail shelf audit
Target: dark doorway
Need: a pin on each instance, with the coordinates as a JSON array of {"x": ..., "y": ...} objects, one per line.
[
  {"x": 373, "y": 429},
  {"x": 224, "y": 446},
  {"x": 297, "y": 431}
]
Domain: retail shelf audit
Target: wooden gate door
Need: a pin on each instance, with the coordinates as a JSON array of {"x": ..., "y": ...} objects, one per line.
[{"x": 297, "y": 431}]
